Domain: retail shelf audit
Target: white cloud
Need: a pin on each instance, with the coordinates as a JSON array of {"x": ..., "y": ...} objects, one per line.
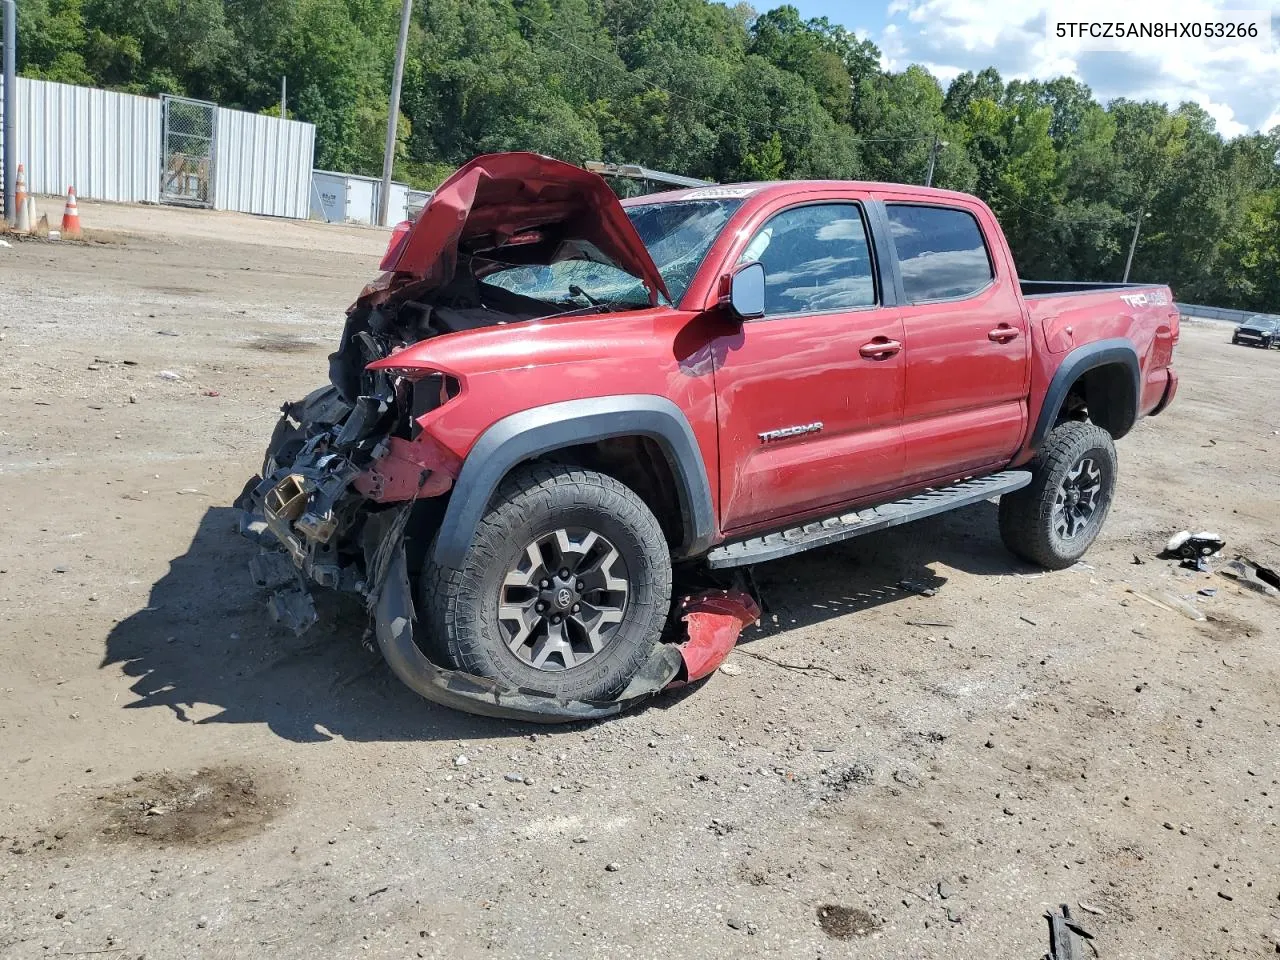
[{"x": 1237, "y": 83}]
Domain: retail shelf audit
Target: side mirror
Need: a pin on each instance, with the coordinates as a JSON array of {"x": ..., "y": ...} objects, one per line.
[{"x": 746, "y": 291}]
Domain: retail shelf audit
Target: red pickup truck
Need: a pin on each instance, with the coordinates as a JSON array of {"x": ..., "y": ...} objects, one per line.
[{"x": 551, "y": 396}]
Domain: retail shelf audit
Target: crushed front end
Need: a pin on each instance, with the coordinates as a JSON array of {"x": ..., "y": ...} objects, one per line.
[
  {"x": 354, "y": 484},
  {"x": 330, "y": 464}
]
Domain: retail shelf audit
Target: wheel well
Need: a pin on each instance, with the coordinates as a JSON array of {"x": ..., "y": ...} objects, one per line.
[
  {"x": 1103, "y": 395},
  {"x": 641, "y": 464}
]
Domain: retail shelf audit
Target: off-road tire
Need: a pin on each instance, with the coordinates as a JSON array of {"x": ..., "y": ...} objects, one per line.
[
  {"x": 461, "y": 606},
  {"x": 1027, "y": 524}
]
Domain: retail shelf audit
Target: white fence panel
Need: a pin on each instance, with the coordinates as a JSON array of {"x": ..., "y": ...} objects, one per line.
[
  {"x": 263, "y": 164},
  {"x": 105, "y": 144}
]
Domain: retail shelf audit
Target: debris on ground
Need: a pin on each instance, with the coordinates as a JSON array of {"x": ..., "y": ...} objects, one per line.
[
  {"x": 1151, "y": 600},
  {"x": 1066, "y": 937},
  {"x": 168, "y": 375},
  {"x": 1189, "y": 546},
  {"x": 917, "y": 587},
  {"x": 811, "y": 668},
  {"x": 1252, "y": 575},
  {"x": 1184, "y": 607},
  {"x": 713, "y": 620}
]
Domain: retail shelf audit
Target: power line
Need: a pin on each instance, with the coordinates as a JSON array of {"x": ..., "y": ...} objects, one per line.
[
  {"x": 1048, "y": 218},
  {"x": 699, "y": 104}
]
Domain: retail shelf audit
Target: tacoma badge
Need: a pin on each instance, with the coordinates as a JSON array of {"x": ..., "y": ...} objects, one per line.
[{"x": 783, "y": 432}]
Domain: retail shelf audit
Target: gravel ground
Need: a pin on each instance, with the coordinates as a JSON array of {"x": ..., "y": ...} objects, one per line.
[{"x": 875, "y": 772}]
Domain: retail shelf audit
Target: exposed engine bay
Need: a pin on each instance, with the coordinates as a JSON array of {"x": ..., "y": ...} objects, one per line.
[{"x": 319, "y": 471}]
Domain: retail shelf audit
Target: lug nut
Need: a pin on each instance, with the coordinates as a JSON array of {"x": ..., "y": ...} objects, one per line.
[
  {"x": 555, "y": 620},
  {"x": 577, "y": 607},
  {"x": 581, "y": 586},
  {"x": 540, "y": 606},
  {"x": 544, "y": 584},
  {"x": 564, "y": 574}
]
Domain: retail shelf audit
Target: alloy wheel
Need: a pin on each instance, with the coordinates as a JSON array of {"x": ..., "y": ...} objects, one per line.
[
  {"x": 1078, "y": 499},
  {"x": 563, "y": 599}
]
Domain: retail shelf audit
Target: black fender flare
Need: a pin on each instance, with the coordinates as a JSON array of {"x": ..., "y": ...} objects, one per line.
[
  {"x": 1079, "y": 361},
  {"x": 539, "y": 430}
]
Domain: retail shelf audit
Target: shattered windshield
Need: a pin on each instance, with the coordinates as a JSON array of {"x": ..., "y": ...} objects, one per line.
[{"x": 677, "y": 234}]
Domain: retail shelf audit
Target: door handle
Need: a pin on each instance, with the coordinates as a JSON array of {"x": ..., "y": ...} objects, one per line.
[
  {"x": 1003, "y": 334},
  {"x": 881, "y": 348}
]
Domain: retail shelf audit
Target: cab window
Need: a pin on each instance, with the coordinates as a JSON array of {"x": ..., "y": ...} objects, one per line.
[
  {"x": 817, "y": 259},
  {"x": 941, "y": 253}
]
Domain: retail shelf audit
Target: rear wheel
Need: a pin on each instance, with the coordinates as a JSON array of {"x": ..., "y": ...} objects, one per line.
[
  {"x": 1055, "y": 519},
  {"x": 564, "y": 588}
]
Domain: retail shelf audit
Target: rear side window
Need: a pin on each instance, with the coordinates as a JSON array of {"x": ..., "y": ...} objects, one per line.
[
  {"x": 941, "y": 252},
  {"x": 816, "y": 260}
]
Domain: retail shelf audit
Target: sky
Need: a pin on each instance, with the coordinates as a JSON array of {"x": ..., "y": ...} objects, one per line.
[{"x": 1237, "y": 83}]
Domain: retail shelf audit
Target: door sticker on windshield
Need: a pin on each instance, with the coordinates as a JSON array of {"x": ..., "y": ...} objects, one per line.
[{"x": 720, "y": 193}]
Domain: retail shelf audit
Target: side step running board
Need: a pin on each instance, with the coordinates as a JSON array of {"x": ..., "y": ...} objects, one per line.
[{"x": 819, "y": 533}]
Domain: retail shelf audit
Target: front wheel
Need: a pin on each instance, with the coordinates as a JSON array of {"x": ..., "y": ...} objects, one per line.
[
  {"x": 564, "y": 589},
  {"x": 1055, "y": 519}
]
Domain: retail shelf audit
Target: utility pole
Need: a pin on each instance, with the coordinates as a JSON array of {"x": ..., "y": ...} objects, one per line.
[
  {"x": 10, "y": 98},
  {"x": 284, "y": 87},
  {"x": 393, "y": 115},
  {"x": 934, "y": 149},
  {"x": 1137, "y": 225}
]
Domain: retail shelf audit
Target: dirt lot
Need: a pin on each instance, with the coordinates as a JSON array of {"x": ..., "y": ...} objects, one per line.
[{"x": 179, "y": 779}]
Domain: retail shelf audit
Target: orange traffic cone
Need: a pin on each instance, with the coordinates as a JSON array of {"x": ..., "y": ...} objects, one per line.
[
  {"x": 71, "y": 216},
  {"x": 20, "y": 193}
]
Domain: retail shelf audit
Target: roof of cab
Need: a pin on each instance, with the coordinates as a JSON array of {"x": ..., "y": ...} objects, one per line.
[{"x": 771, "y": 188}]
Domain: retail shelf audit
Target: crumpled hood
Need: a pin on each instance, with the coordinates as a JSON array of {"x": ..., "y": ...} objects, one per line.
[{"x": 495, "y": 197}]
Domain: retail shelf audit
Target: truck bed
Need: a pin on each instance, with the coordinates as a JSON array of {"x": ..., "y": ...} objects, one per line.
[{"x": 1048, "y": 288}]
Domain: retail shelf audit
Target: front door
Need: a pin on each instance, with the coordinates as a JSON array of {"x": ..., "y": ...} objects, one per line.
[
  {"x": 810, "y": 396},
  {"x": 966, "y": 343}
]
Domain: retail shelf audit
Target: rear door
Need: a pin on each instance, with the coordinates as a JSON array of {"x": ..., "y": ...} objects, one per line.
[
  {"x": 809, "y": 396},
  {"x": 965, "y": 339}
]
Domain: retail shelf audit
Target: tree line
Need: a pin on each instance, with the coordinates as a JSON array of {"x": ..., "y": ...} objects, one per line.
[{"x": 712, "y": 91}]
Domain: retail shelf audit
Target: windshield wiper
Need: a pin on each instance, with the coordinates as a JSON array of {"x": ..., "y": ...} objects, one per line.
[{"x": 577, "y": 291}]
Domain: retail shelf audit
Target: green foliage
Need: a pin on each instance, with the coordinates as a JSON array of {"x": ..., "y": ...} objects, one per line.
[{"x": 712, "y": 90}]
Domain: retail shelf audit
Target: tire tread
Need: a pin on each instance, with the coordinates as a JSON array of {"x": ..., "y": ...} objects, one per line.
[{"x": 1026, "y": 516}]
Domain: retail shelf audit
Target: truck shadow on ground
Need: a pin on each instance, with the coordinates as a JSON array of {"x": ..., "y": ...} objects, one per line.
[
  {"x": 205, "y": 649},
  {"x": 890, "y": 566}
]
